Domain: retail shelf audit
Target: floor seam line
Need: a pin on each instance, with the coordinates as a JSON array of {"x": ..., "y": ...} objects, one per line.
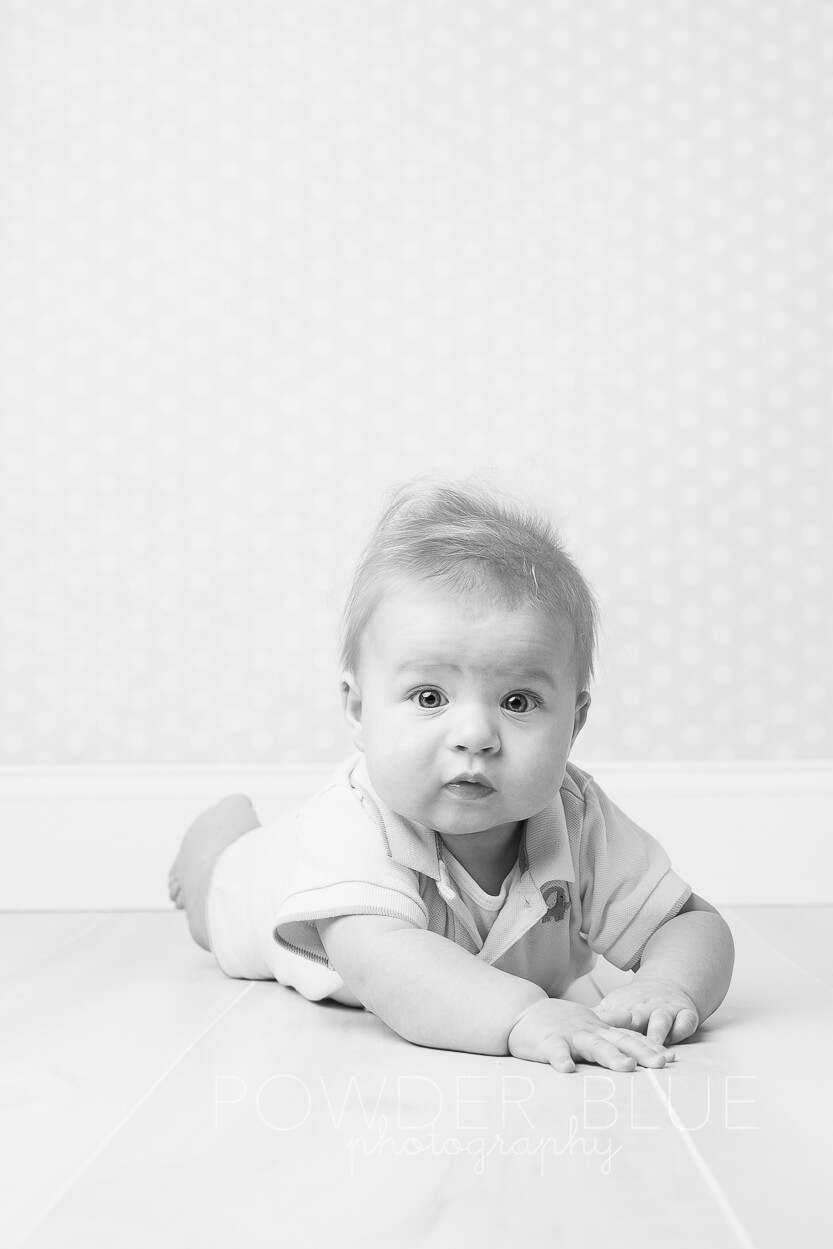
[
  {"x": 102, "y": 1145},
  {"x": 56, "y": 949},
  {"x": 789, "y": 958},
  {"x": 730, "y": 1214}
]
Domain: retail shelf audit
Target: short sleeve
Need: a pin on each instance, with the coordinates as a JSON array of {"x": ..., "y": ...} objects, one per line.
[
  {"x": 627, "y": 886},
  {"x": 342, "y": 867}
]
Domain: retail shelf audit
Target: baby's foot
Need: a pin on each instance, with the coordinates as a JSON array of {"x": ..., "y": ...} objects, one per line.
[{"x": 204, "y": 842}]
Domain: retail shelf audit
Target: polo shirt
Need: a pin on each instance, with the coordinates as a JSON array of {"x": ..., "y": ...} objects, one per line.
[{"x": 590, "y": 881}]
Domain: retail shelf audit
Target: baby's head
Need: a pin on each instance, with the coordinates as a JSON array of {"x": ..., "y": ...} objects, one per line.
[{"x": 467, "y": 645}]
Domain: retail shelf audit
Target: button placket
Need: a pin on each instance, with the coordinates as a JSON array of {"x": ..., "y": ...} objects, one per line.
[{"x": 533, "y": 909}]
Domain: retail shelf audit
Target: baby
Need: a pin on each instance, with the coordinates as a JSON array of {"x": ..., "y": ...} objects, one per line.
[{"x": 458, "y": 873}]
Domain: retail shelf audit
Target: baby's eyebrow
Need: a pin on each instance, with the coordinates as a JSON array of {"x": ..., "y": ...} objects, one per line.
[{"x": 519, "y": 672}]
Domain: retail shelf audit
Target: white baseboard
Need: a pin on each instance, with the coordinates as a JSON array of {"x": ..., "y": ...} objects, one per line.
[{"x": 79, "y": 838}]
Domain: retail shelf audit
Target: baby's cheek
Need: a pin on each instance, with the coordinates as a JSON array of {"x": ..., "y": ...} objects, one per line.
[
  {"x": 394, "y": 771},
  {"x": 545, "y": 773}
]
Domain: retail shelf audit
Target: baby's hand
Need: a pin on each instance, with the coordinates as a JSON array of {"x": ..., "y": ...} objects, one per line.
[
  {"x": 659, "y": 1008},
  {"x": 562, "y": 1033}
]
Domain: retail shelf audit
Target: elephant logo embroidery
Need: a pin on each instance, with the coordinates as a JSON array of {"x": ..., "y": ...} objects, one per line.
[{"x": 557, "y": 900}]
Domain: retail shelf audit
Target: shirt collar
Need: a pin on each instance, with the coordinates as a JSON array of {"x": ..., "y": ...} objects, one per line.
[{"x": 545, "y": 850}]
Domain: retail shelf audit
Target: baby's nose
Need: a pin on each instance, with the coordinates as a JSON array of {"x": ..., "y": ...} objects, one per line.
[{"x": 474, "y": 729}]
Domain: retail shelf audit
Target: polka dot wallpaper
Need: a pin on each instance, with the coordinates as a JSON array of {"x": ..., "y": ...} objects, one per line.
[{"x": 262, "y": 259}]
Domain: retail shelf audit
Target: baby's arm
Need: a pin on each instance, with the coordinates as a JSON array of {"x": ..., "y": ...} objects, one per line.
[
  {"x": 434, "y": 993},
  {"x": 683, "y": 975}
]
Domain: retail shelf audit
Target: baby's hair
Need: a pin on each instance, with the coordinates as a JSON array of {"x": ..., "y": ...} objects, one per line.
[{"x": 471, "y": 539}]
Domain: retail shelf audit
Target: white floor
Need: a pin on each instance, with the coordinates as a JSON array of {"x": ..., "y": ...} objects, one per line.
[{"x": 146, "y": 1100}]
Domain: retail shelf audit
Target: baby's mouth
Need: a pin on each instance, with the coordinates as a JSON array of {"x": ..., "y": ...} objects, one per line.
[{"x": 469, "y": 789}]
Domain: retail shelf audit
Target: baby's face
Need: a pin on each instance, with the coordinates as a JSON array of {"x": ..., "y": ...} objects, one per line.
[{"x": 452, "y": 687}]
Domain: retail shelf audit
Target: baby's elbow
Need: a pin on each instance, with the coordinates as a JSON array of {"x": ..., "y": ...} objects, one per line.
[
  {"x": 727, "y": 941},
  {"x": 729, "y": 945},
  {"x": 695, "y": 903},
  {"x": 720, "y": 948}
]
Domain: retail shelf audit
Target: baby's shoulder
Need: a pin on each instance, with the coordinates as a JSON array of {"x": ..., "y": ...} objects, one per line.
[
  {"x": 336, "y": 810},
  {"x": 349, "y": 820}
]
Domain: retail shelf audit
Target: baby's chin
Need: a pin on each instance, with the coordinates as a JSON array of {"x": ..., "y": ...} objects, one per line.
[
  {"x": 442, "y": 814},
  {"x": 460, "y": 823},
  {"x": 429, "y": 815}
]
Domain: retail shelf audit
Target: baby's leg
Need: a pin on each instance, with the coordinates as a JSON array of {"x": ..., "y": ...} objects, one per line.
[{"x": 202, "y": 845}]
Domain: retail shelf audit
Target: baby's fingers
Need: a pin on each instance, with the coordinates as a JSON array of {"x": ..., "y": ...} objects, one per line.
[
  {"x": 557, "y": 1054},
  {"x": 671, "y": 1024},
  {"x": 686, "y": 1023},
  {"x": 599, "y": 1047},
  {"x": 647, "y": 1053},
  {"x": 660, "y": 1024},
  {"x": 587, "y": 1047},
  {"x": 614, "y": 1016}
]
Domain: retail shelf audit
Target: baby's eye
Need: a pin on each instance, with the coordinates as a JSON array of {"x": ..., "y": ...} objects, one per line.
[
  {"x": 432, "y": 696},
  {"x": 522, "y": 698}
]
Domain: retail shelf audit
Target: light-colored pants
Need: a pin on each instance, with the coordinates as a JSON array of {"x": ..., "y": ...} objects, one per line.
[{"x": 250, "y": 880}]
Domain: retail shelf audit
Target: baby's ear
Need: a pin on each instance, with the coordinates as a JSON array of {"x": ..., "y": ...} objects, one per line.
[
  {"x": 351, "y": 704},
  {"x": 582, "y": 708}
]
